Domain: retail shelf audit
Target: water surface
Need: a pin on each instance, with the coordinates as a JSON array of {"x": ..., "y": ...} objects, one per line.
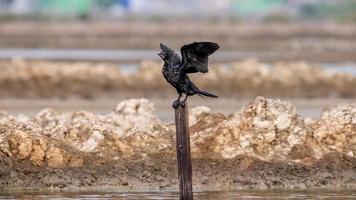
[{"x": 316, "y": 194}]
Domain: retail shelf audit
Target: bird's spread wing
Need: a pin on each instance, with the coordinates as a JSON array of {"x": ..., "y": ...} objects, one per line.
[{"x": 195, "y": 56}]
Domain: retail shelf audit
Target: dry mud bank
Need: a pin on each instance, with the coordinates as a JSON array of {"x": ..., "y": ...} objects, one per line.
[
  {"x": 248, "y": 78},
  {"x": 265, "y": 145},
  {"x": 330, "y": 42},
  {"x": 295, "y": 37}
]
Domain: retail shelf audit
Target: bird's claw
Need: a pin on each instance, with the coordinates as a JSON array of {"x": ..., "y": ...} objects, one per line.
[
  {"x": 176, "y": 104},
  {"x": 182, "y": 104}
]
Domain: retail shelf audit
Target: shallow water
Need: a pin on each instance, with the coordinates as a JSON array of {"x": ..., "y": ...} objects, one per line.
[
  {"x": 348, "y": 67},
  {"x": 305, "y": 107},
  {"x": 317, "y": 194},
  {"x": 118, "y": 54}
]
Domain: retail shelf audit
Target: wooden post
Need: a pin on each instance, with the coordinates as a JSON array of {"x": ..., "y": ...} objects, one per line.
[{"x": 183, "y": 153}]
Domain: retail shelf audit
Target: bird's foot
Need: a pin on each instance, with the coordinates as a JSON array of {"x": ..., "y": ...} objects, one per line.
[
  {"x": 182, "y": 103},
  {"x": 176, "y": 104}
]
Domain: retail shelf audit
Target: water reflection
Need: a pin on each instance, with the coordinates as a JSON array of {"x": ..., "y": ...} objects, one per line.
[{"x": 250, "y": 195}]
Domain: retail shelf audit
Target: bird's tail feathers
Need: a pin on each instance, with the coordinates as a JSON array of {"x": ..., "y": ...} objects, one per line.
[{"x": 207, "y": 94}]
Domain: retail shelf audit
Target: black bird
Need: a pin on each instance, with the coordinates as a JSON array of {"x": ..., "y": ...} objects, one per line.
[{"x": 176, "y": 69}]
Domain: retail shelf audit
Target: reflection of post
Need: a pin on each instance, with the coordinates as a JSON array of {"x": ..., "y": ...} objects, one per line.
[{"x": 183, "y": 153}]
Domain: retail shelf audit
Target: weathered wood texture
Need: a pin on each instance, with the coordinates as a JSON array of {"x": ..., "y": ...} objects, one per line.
[{"x": 183, "y": 153}]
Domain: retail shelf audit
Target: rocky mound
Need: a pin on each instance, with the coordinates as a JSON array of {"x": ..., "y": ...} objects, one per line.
[
  {"x": 133, "y": 142},
  {"x": 248, "y": 78},
  {"x": 57, "y": 139}
]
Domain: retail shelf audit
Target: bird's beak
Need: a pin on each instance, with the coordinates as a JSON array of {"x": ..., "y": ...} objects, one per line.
[{"x": 161, "y": 54}]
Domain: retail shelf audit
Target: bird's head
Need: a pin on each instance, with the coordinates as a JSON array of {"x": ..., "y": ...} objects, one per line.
[
  {"x": 169, "y": 56},
  {"x": 165, "y": 53}
]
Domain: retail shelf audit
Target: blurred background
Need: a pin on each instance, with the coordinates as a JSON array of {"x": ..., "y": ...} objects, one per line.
[
  {"x": 90, "y": 54},
  {"x": 235, "y": 10}
]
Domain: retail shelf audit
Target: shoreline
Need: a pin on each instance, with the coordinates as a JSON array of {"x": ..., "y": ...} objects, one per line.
[
  {"x": 265, "y": 145},
  {"x": 208, "y": 175}
]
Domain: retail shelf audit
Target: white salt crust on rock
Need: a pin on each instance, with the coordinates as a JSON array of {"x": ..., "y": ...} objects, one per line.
[{"x": 267, "y": 129}]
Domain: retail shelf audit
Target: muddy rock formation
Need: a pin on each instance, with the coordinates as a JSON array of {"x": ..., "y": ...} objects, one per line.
[
  {"x": 51, "y": 79},
  {"x": 266, "y": 129},
  {"x": 336, "y": 130},
  {"x": 20, "y": 78},
  {"x": 198, "y": 113},
  {"x": 61, "y": 139},
  {"x": 265, "y": 145}
]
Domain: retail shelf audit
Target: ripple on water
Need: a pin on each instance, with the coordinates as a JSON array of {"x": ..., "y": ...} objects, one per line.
[{"x": 316, "y": 194}]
